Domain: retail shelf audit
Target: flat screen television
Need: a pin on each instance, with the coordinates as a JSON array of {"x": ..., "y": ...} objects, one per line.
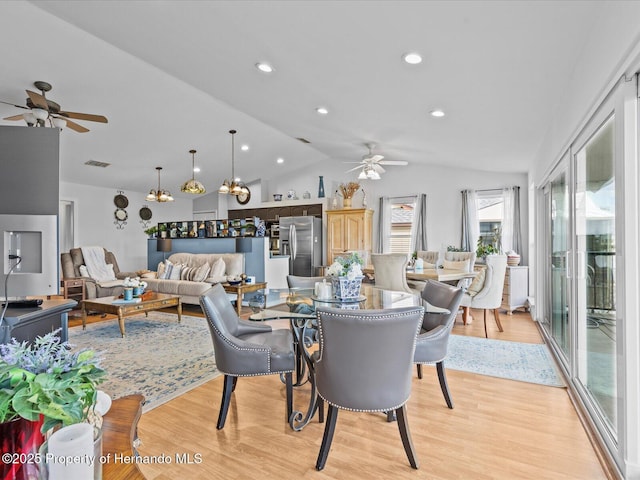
[{"x": 33, "y": 238}]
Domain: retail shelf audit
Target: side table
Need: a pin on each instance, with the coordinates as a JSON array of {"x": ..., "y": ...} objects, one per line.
[
  {"x": 74, "y": 289},
  {"x": 241, "y": 289},
  {"x": 119, "y": 432}
]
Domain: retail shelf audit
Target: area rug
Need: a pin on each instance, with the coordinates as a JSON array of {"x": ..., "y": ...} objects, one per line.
[
  {"x": 526, "y": 362},
  {"x": 159, "y": 357}
]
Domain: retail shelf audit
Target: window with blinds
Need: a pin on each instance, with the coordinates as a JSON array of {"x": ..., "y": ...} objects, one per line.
[{"x": 402, "y": 217}]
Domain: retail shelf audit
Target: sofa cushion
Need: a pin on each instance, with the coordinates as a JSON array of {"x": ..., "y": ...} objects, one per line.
[
  {"x": 201, "y": 273},
  {"x": 174, "y": 272},
  {"x": 178, "y": 287},
  {"x": 218, "y": 268}
]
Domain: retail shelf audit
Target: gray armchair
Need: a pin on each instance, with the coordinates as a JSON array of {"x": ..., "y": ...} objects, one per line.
[
  {"x": 431, "y": 346},
  {"x": 383, "y": 341},
  {"x": 73, "y": 260},
  {"x": 245, "y": 349}
]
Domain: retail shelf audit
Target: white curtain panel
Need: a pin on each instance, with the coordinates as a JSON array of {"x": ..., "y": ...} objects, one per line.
[
  {"x": 511, "y": 237},
  {"x": 419, "y": 227}
]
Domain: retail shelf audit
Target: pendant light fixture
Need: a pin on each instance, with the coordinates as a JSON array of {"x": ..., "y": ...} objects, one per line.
[
  {"x": 159, "y": 195},
  {"x": 193, "y": 186},
  {"x": 232, "y": 186}
]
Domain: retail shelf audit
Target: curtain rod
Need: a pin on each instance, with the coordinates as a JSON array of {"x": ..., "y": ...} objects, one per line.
[{"x": 492, "y": 189}]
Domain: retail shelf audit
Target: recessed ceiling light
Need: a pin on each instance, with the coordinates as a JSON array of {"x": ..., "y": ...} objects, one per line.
[
  {"x": 196, "y": 169},
  {"x": 244, "y": 148},
  {"x": 322, "y": 110},
  {"x": 412, "y": 58},
  {"x": 280, "y": 160},
  {"x": 264, "y": 67},
  {"x": 437, "y": 113}
]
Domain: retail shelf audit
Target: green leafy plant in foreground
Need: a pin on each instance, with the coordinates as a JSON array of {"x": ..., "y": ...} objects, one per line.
[{"x": 47, "y": 378}]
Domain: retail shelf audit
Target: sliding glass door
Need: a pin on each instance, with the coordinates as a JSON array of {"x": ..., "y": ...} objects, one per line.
[{"x": 595, "y": 279}]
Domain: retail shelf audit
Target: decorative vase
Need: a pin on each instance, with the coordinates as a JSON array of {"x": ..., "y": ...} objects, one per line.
[
  {"x": 346, "y": 202},
  {"x": 321, "y": 187},
  {"x": 21, "y": 438},
  {"x": 346, "y": 289}
]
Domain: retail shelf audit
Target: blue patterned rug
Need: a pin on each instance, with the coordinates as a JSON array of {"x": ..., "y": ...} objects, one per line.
[
  {"x": 158, "y": 357},
  {"x": 526, "y": 362}
]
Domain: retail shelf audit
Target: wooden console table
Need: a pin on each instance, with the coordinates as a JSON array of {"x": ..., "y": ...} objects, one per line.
[
  {"x": 241, "y": 289},
  {"x": 119, "y": 432}
]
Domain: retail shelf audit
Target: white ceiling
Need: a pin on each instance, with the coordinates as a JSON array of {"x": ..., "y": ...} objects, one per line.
[{"x": 176, "y": 75}]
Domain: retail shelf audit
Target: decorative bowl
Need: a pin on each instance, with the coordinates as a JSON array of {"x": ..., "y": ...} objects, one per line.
[
  {"x": 277, "y": 197},
  {"x": 234, "y": 282},
  {"x": 513, "y": 260}
]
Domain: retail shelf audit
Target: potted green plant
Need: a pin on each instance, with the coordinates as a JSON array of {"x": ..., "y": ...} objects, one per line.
[
  {"x": 46, "y": 378},
  {"x": 152, "y": 231}
]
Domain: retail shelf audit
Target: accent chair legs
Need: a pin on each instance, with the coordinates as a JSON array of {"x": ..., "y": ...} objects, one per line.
[
  {"x": 229, "y": 387},
  {"x": 330, "y": 427},
  {"x": 496, "y": 316},
  {"x": 442, "y": 378},
  {"x": 288, "y": 379}
]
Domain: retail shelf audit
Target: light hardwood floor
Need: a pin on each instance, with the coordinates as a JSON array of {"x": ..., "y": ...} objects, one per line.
[{"x": 499, "y": 429}]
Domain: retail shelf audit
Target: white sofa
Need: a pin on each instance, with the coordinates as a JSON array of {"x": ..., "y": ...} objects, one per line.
[{"x": 190, "y": 290}]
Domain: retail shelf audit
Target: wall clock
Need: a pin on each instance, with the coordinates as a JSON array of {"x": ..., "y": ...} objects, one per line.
[{"x": 244, "y": 198}]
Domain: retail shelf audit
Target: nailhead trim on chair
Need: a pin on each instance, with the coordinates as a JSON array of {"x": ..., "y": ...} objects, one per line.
[{"x": 266, "y": 350}]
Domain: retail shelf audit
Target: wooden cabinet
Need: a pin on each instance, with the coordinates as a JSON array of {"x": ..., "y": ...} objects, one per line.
[
  {"x": 348, "y": 230},
  {"x": 516, "y": 288}
]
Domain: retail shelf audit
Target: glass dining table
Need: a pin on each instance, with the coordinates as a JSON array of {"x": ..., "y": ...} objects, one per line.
[{"x": 302, "y": 304}]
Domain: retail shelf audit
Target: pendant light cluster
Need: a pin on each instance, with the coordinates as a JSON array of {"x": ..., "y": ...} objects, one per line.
[
  {"x": 159, "y": 195},
  {"x": 233, "y": 187},
  {"x": 193, "y": 186}
]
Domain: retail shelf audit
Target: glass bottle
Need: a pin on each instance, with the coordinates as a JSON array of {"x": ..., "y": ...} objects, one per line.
[{"x": 321, "y": 187}]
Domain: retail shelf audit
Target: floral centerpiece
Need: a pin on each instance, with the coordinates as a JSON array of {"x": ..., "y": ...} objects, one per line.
[
  {"x": 138, "y": 285},
  {"x": 346, "y": 276},
  {"x": 43, "y": 385}
]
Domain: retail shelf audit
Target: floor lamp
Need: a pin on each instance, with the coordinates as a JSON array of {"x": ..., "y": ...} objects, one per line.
[{"x": 163, "y": 245}]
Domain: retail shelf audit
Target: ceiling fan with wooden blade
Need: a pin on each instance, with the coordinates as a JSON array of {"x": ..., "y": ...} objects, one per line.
[
  {"x": 371, "y": 165},
  {"x": 41, "y": 109}
]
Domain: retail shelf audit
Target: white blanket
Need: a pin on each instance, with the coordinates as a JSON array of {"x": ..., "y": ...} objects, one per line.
[{"x": 96, "y": 264}]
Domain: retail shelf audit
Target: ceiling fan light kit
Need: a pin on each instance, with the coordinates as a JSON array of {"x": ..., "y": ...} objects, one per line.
[
  {"x": 41, "y": 109},
  {"x": 371, "y": 165},
  {"x": 159, "y": 195},
  {"x": 193, "y": 186}
]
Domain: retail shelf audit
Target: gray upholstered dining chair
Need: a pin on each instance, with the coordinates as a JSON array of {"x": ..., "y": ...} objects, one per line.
[
  {"x": 245, "y": 349},
  {"x": 364, "y": 364},
  {"x": 431, "y": 346},
  {"x": 390, "y": 271}
]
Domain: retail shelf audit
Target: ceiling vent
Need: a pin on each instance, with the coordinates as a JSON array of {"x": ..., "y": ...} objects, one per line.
[
  {"x": 303, "y": 140},
  {"x": 95, "y": 163}
]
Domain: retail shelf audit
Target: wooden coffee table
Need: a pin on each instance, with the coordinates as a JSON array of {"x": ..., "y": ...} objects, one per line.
[
  {"x": 150, "y": 301},
  {"x": 241, "y": 289}
]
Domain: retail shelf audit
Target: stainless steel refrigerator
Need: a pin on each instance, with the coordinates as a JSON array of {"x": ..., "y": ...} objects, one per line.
[{"x": 301, "y": 239}]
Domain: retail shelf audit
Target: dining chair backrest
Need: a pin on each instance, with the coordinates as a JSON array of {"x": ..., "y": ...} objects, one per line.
[
  {"x": 462, "y": 257},
  {"x": 295, "y": 281},
  {"x": 390, "y": 271},
  {"x": 428, "y": 256},
  {"x": 366, "y": 356},
  {"x": 490, "y": 295}
]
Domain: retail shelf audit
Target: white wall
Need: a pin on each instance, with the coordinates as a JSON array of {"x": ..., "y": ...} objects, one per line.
[
  {"x": 94, "y": 210},
  {"x": 441, "y": 184}
]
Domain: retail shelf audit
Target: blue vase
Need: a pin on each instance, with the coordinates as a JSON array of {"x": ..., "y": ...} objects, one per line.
[{"x": 321, "y": 188}]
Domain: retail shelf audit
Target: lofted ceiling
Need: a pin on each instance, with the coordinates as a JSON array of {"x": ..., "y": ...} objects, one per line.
[{"x": 177, "y": 75}]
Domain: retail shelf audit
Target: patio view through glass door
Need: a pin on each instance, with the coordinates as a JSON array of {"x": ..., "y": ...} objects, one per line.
[{"x": 595, "y": 226}]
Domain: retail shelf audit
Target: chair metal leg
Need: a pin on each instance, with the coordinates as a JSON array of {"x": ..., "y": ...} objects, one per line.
[
  {"x": 329, "y": 429},
  {"x": 419, "y": 367},
  {"x": 289, "y": 387},
  {"x": 496, "y": 315},
  {"x": 405, "y": 435},
  {"x": 229, "y": 384},
  {"x": 442, "y": 377}
]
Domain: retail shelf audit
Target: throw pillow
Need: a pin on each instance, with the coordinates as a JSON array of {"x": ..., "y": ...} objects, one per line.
[
  {"x": 185, "y": 273},
  {"x": 175, "y": 272},
  {"x": 218, "y": 268},
  {"x": 83, "y": 271},
  {"x": 478, "y": 283},
  {"x": 161, "y": 269},
  {"x": 201, "y": 273},
  {"x": 459, "y": 265}
]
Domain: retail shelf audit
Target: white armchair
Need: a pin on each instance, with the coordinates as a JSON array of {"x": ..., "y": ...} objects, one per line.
[{"x": 488, "y": 296}]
